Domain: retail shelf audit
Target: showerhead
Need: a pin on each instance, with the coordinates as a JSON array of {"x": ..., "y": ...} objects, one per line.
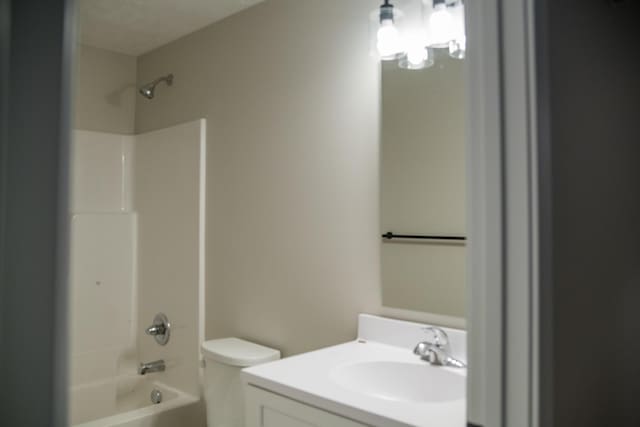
[{"x": 148, "y": 90}]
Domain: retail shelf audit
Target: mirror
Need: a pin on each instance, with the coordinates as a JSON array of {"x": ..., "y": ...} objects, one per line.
[{"x": 423, "y": 187}]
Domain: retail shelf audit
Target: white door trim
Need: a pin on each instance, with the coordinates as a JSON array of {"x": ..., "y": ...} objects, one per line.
[
  {"x": 503, "y": 220},
  {"x": 484, "y": 213}
]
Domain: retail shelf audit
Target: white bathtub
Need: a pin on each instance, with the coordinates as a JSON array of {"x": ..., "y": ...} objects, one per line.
[{"x": 125, "y": 401}]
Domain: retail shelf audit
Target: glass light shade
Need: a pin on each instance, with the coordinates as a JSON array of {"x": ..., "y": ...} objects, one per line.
[
  {"x": 458, "y": 44},
  {"x": 417, "y": 62},
  {"x": 458, "y": 48},
  {"x": 417, "y": 54},
  {"x": 385, "y": 40},
  {"x": 441, "y": 26},
  {"x": 388, "y": 42}
]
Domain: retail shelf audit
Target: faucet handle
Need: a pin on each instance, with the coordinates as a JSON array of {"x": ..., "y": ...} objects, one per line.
[
  {"x": 426, "y": 352},
  {"x": 155, "y": 330},
  {"x": 160, "y": 329},
  {"x": 437, "y": 337}
]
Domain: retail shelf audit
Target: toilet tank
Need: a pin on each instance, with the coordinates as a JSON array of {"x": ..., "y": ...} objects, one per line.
[{"x": 224, "y": 359}]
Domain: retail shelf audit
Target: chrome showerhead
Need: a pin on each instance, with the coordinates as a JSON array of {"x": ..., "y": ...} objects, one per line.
[{"x": 148, "y": 90}]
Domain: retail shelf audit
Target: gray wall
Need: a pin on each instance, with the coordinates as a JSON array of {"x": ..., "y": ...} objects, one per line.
[
  {"x": 594, "y": 84},
  {"x": 104, "y": 90},
  {"x": 291, "y": 99}
]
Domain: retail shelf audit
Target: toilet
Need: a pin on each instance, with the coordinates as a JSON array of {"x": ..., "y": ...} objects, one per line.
[{"x": 224, "y": 359}]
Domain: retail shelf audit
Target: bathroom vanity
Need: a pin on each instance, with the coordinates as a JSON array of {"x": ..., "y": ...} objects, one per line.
[{"x": 375, "y": 380}]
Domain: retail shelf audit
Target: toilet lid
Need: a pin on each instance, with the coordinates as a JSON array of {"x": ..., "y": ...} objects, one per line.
[{"x": 237, "y": 352}]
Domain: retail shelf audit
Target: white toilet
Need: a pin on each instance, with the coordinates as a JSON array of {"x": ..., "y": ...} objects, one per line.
[{"x": 224, "y": 359}]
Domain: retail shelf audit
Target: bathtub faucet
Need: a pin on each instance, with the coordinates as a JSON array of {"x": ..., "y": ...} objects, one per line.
[{"x": 155, "y": 366}]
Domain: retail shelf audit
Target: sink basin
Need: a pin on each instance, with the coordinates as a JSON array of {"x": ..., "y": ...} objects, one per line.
[
  {"x": 399, "y": 381},
  {"x": 375, "y": 380}
]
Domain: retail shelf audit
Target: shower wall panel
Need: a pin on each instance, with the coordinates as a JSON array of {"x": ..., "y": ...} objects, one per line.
[
  {"x": 103, "y": 258},
  {"x": 102, "y": 296},
  {"x": 169, "y": 198},
  {"x": 137, "y": 248},
  {"x": 101, "y": 172}
]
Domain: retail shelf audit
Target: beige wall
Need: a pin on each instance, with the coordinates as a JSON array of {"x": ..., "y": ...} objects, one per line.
[
  {"x": 292, "y": 103},
  {"x": 422, "y": 186},
  {"x": 105, "y": 91}
]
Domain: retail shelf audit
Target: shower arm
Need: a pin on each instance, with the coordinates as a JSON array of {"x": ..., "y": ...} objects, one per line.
[{"x": 168, "y": 78}]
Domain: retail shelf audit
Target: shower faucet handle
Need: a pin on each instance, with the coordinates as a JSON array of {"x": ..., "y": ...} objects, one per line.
[
  {"x": 155, "y": 330},
  {"x": 160, "y": 329}
]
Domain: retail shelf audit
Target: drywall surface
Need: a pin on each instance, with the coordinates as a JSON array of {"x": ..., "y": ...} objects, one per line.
[
  {"x": 291, "y": 99},
  {"x": 422, "y": 188},
  {"x": 137, "y": 27},
  {"x": 594, "y": 64},
  {"x": 105, "y": 90}
]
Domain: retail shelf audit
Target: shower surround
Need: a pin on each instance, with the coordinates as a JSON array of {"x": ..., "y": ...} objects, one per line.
[{"x": 137, "y": 248}]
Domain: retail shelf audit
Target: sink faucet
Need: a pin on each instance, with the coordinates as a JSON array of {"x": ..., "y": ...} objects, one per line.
[
  {"x": 155, "y": 366},
  {"x": 436, "y": 350}
]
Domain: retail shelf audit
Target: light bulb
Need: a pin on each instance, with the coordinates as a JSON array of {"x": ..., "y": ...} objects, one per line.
[
  {"x": 417, "y": 53},
  {"x": 388, "y": 40},
  {"x": 417, "y": 56},
  {"x": 440, "y": 24}
]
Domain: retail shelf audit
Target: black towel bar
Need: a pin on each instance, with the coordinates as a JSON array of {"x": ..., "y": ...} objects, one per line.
[{"x": 390, "y": 235}]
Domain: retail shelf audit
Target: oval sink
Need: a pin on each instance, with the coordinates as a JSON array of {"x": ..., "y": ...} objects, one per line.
[{"x": 409, "y": 382}]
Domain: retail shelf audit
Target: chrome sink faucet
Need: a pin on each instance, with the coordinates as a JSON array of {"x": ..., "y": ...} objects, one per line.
[
  {"x": 155, "y": 366},
  {"x": 436, "y": 349}
]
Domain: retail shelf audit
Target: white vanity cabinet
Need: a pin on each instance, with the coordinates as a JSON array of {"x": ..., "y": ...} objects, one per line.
[
  {"x": 375, "y": 380},
  {"x": 266, "y": 409}
]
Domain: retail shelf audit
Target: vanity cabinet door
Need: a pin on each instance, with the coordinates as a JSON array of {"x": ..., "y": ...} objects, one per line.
[{"x": 266, "y": 409}]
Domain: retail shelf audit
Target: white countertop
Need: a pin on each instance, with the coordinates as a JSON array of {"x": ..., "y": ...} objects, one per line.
[{"x": 307, "y": 378}]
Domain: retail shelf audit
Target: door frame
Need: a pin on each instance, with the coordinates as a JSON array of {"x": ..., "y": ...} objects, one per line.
[
  {"x": 506, "y": 176},
  {"x": 507, "y": 193},
  {"x": 36, "y": 51}
]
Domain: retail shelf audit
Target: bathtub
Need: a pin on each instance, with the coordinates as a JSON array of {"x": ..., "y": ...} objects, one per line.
[{"x": 126, "y": 401}]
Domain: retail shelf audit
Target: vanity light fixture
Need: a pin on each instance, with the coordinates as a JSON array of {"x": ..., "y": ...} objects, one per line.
[{"x": 414, "y": 39}]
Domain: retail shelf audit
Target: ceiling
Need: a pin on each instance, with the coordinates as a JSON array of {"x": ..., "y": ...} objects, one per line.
[{"x": 135, "y": 27}]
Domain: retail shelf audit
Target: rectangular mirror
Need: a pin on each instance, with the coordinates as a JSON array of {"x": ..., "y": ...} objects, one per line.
[{"x": 423, "y": 187}]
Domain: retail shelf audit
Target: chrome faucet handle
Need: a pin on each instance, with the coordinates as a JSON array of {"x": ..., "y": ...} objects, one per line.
[
  {"x": 436, "y": 349},
  {"x": 437, "y": 338},
  {"x": 160, "y": 329},
  {"x": 425, "y": 350},
  {"x": 155, "y": 330}
]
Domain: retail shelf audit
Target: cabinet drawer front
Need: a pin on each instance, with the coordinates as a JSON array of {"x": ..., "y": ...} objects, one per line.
[
  {"x": 272, "y": 417},
  {"x": 266, "y": 409}
]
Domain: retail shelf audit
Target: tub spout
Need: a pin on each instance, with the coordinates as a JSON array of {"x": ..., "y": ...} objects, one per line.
[{"x": 155, "y": 366}]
